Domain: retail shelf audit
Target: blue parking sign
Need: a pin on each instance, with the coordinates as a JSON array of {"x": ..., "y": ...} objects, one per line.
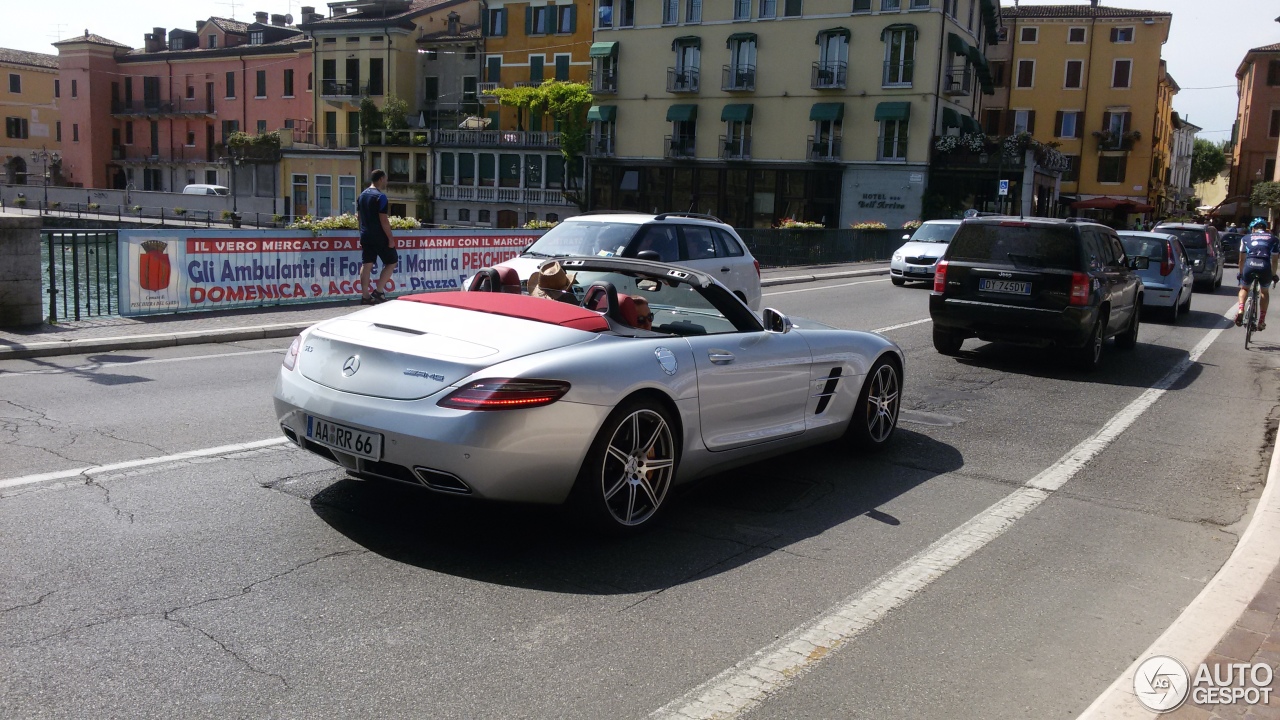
[{"x": 1004, "y": 187}]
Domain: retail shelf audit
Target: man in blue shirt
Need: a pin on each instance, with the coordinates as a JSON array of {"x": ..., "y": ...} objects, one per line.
[
  {"x": 1259, "y": 252},
  {"x": 375, "y": 239}
]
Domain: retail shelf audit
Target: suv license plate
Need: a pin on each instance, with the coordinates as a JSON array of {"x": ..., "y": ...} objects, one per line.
[
  {"x": 1005, "y": 286},
  {"x": 340, "y": 437}
]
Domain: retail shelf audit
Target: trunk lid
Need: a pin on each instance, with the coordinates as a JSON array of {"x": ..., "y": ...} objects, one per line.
[{"x": 408, "y": 351}]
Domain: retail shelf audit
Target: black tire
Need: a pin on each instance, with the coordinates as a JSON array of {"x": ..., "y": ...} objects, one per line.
[
  {"x": 1089, "y": 357},
  {"x": 875, "y": 416},
  {"x": 1186, "y": 306},
  {"x": 947, "y": 342},
  {"x": 1128, "y": 339},
  {"x": 614, "y": 491},
  {"x": 1217, "y": 282},
  {"x": 897, "y": 281},
  {"x": 1174, "y": 313}
]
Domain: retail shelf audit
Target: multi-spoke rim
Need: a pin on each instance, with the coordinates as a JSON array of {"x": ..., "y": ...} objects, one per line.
[
  {"x": 1096, "y": 350},
  {"x": 637, "y": 468},
  {"x": 882, "y": 403}
]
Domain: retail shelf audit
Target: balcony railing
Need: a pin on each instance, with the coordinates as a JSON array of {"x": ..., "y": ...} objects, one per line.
[
  {"x": 529, "y": 83},
  {"x": 738, "y": 78},
  {"x": 180, "y": 106},
  {"x": 682, "y": 80},
  {"x": 495, "y": 138},
  {"x": 337, "y": 89},
  {"x": 142, "y": 155},
  {"x": 958, "y": 80},
  {"x": 898, "y": 73},
  {"x": 735, "y": 148},
  {"x": 604, "y": 82},
  {"x": 335, "y": 141},
  {"x": 489, "y": 194},
  {"x": 1108, "y": 140},
  {"x": 486, "y": 88},
  {"x": 679, "y": 146},
  {"x": 829, "y": 76},
  {"x": 824, "y": 149},
  {"x": 399, "y": 137},
  {"x": 600, "y": 147}
]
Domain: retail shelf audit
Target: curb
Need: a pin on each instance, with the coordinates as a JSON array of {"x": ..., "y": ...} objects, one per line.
[
  {"x": 793, "y": 279},
  {"x": 1211, "y": 615},
  {"x": 140, "y": 342}
]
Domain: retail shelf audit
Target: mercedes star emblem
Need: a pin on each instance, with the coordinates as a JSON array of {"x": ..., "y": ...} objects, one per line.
[{"x": 351, "y": 366}]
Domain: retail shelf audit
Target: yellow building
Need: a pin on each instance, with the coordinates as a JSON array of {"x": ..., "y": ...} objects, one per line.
[
  {"x": 1091, "y": 79},
  {"x": 1161, "y": 194},
  {"x": 527, "y": 43},
  {"x": 822, "y": 110},
  {"x": 29, "y": 102}
]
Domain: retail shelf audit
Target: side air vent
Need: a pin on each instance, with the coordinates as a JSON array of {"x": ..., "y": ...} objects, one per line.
[{"x": 824, "y": 397}]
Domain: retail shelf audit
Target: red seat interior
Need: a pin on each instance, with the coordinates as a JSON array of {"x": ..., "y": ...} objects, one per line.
[
  {"x": 627, "y": 307},
  {"x": 518, "y": 306},
  {"x": 510, "y": 279}
]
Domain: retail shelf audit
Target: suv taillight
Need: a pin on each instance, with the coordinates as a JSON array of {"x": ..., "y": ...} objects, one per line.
[
  {"x": 1079, "y": 289},
  {"x": 1166, "y": 265},
  {"x": 940, "y": 276}
]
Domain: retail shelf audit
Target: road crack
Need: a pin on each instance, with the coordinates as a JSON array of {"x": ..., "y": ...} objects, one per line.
[
  {"x": 106, "y": 493},
  {"x": 34, "y": 603}
]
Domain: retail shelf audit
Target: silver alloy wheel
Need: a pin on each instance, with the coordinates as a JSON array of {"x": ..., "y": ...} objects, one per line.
[
  {"x": 882, "y": 403},
  {"x": 1096, "y": 350},
  {"x": 637, "y": 468}
]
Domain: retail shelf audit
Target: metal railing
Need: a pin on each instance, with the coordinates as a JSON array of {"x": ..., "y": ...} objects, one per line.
[
  {"x": 679, "y": 146},
  {"x": 600, "y": 146},
  {"x": 682, "y": 80},
  {"x": 958, "y": 80},
  {"x": 336, "y": 88},
  {"x": 735, "y": 148},
  {"x": 604, "y": 82},
  {"x": 829, "y": 75},
  {"x": 824, "y": 150},
  {"x": 782, "y": 248},
  {"x": 147, "y": 215},
  {"x": 738, "y": 78},
  {"x": 81, "y": 270},
  {"x": 180, "y": 106}
]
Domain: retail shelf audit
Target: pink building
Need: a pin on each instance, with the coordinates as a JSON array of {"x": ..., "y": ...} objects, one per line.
[{"x": 157, "y": 117}]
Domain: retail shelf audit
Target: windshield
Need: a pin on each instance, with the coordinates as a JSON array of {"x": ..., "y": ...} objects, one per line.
[
  {"x": 935, "y": 233},
  {"x": 1192, "y": 238},
  {"x": 1021, "y": 246},
  {"x": 584, "y": 238},
  {"x": 679, "y": 310}
]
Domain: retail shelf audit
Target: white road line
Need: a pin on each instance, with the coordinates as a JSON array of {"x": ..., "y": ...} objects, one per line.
[
  {"x": 152, "y": 361},
  {"x": 824, "y": 287},
  {"x": 100, "y": 469},
  {"x": 752, "y": 681},
  {"x": 899, "y": 326}
]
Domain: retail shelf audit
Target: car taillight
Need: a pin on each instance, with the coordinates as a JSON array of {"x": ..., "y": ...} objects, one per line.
[
  {"x": 757, "y": 264},
  {"x": 940, "y": 276},
  {"x": 505, "y": 394},
  {"x": 291, "y": 355},
  {"x": 1166, "y": 265},
  {"x": 1079, "y": 289}
]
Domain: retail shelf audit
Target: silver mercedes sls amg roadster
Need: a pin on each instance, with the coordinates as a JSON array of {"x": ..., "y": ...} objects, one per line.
[{"x": 504, "y": 396}]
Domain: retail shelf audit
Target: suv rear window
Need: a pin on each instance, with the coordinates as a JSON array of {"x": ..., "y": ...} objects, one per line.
[
  {"x": 1030, "y": 246},
  {"x": 1192, "y": 238}
]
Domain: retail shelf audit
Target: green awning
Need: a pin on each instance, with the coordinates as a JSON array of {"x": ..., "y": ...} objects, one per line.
[
  {"x": 693, "y": 40},
  {"x": 741, "y": 37},
  {"x": 893, "y": 111},
  {"x": 827, "y": 112},
  {"x": 977, "y": 58},
  {"x": 736, "y": 113},
  {"x": 915, "y": 31},
  {"x": 969, "y": 125},
  {"x": 604, "y": 49},
  {"x": 603, "y": 113},
  {"x": 832, "y": 31},
  {"x": 682, "y": 113},
  {"x": 957, "y": 45},
  {"x": 950, "y": 118}
]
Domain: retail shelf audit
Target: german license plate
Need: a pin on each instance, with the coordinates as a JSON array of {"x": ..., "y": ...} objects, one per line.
[
  {"x": 349, "y": 440},
  {"x": 1005, "y": 286},
  {"x": 917, "y": 270}
]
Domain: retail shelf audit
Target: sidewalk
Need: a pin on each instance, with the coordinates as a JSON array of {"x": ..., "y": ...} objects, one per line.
[{"x": 153, "y": 331}]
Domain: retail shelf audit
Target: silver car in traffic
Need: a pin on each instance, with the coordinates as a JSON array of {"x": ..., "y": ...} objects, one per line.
[
  {"x": 916, "y": 259},
  {"x": 1169, "y": 277}
]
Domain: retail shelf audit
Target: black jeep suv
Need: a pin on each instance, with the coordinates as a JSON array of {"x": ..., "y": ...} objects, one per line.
[{"x": 1036, "y": 281}]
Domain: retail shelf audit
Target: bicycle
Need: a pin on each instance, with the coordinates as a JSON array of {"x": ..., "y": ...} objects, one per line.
[{"x": 1251, "y": 309}]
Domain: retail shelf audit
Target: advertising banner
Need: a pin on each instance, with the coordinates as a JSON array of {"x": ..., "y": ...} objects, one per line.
[{"x": 164, "y": 271}]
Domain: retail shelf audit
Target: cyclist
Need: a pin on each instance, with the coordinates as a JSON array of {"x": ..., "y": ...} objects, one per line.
[{"x": 1259, "y": 254}]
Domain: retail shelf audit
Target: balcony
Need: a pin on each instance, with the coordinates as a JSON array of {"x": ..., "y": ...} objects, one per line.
[
  {"x": 142, "y": 155},
  {"x": 529, "y": 83},
  {"x": 600, "y": 146},
  {"x": 958, "y": 80},
  {"x": 402, "y": 138},
  {"x": 604, "y": 82},
  {"x": 159, "y": 108},
  {"x": 486, "y": 88},
  {"x": 489, "y": 194},
  {"x": 735, "y": 148},
  {"x": 738, "y": 78},
  {"x": 682, "y": 80},
  {"x": 897, "y": 74},
  {"x": 824, "y": 149},
  {"x": 331, "y": 141},
  {"x": 1109, "y": 140},
  {"x": 336, "y": 89},
  {"x": 496, "y": 138},
  {"x": 679, "y": 147},
  {"x": 829, "y": 76}
]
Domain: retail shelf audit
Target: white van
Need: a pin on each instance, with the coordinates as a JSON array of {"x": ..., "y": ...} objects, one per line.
[{"x": 205, "y": 190}]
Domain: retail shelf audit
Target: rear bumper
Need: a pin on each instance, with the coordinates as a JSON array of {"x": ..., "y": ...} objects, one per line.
[
  {"x": 1159, "y": 295},
  {"x": 1069, "y": 327}
]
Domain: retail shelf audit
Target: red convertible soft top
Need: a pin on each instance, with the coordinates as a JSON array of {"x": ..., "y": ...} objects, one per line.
[{"x": 517, "y": 306}]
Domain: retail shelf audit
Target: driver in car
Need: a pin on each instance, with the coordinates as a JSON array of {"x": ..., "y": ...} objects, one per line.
[{"x": 644, "y": 315}]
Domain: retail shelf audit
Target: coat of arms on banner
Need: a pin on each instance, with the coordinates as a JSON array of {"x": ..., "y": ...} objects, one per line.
[{"x": 154, "y": 282}]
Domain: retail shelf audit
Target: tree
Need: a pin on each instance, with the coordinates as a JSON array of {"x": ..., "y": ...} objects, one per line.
[
  {"x": 520, "y": 98},
  {"x": 1266, "y": 194},
  {"x": 370, "y": 117},
  {"x": 395, "y": 113},
  {"x": 566, "y": 103},
  {"x": 1207, "y": 161}
]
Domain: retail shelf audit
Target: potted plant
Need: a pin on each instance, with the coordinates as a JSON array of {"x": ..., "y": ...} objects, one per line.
[
  {"x": 179, "y": 211},
  {"x": 94, "y": 206},
  {"x": 226, "y": 215},
  {"x": 54, "y": 205},
  {"x": 20, "y": 202},
  {"x": 136, "y": 209}
]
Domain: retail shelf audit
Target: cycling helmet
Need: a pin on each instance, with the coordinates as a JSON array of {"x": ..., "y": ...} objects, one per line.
[{"x": 1258, "y": 223}]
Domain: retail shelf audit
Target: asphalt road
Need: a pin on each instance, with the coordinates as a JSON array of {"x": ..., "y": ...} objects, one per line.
[{"x": 263, "y": 583}]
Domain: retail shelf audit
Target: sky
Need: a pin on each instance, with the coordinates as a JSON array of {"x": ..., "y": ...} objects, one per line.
[{"x": 1207, "y": 40}]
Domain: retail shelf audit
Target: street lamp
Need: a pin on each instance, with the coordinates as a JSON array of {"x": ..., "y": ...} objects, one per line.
[{"x": 46, "y": 158}]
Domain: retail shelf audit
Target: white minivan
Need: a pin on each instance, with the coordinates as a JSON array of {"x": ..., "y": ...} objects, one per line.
[{"x": 205, "y": 190}]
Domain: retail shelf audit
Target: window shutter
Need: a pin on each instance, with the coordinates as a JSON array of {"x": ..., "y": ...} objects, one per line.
[
  {"x": 1079, "y": 126},
  {"x": 1010, "y": 117},
  {"x": 549, "y": 21},
  {"x": 504, "y": 13},
  {"x": 1115, "y": 34},
  {"x": 1120, "y": 172},
  {"x": 992, "y": 122},
  {"x": 1106, "y": 121},
  {"x": 1031, "y": 122},
  {"x": 573, "y": 18},
  {"x": 1127, "y": 122},
  {"x": 1057, "y": 124},
  {"x": 528, "y": 20}
]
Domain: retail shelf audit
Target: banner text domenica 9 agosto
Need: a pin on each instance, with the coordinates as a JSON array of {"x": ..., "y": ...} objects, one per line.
[{"x": 162, "y": 272}]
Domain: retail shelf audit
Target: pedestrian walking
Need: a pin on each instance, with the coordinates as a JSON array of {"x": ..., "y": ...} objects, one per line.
[{"x": 375, "y": 239}]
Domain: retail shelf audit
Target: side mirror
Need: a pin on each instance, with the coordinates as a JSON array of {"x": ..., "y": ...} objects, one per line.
[
  {"x": 651, "y": 255},
  {"x": 1141, "y": 262},
  {"x": 776, "y": 322},
  {"x": 906, "y": 237}
]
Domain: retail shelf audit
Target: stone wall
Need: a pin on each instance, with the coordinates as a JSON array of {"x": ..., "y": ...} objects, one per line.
[{"x": 20, "y": 299}]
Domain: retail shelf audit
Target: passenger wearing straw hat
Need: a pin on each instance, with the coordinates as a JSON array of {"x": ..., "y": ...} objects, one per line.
[{"x": 553, "y": 283}]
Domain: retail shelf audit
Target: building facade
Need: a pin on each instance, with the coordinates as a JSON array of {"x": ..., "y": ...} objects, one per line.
[
  {"x": 768, "y": 110},
  {"x": 1090, "y": 78},
  {"x": 1180, "y": 187},
  {"x": 1256, "y": 132},
  {"x": 32, "y": 124}
]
